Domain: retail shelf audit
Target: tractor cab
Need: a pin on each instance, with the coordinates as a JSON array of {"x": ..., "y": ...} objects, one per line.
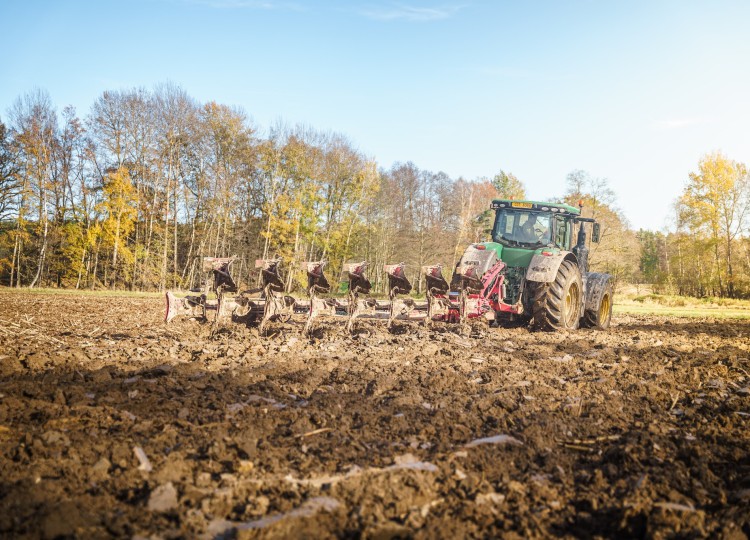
[{"x": 533, "y": 225}]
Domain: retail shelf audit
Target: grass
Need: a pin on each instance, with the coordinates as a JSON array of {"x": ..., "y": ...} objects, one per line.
[
  {"x": 721, "y": 313},
  {"x": 636, "y": 302},
  {"x": 84, "y": 292}
]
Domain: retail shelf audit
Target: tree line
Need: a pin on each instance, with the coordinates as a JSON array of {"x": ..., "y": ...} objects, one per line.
[
  {"x": 132, "y": 195},
  {"x": 707, "y": 253}
]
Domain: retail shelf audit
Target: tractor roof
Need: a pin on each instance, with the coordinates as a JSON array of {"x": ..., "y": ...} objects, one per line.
[{"x": 536, "y": 205}]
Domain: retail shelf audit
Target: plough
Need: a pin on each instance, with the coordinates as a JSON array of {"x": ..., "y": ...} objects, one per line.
[{"x": 219, "y": 295}]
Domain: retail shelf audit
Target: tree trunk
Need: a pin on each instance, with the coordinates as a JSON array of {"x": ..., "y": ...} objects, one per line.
[
  {"x": 149, "y": 236},
  {"x": 163, "y": 279},
  {"x": 43, "y": 250},
  {"x": 134, "y": 275},
  {"x": 174, "y": 228},
  {"x": 730, "y": 273},
  {"x": 115, "y": 250}
]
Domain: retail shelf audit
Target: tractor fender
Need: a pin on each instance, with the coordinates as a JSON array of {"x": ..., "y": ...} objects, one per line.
[
  {"x": 595, "y": 283},
  {"x": 543, "y": 268}
]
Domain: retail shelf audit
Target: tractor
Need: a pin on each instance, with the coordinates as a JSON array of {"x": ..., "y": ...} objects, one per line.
[{"x": 532, "y": 272}]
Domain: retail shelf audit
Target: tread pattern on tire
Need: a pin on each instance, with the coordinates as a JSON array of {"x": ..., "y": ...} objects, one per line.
[
  {"x": 548, "y": 299},
  {"x": 591, "y": 316}
]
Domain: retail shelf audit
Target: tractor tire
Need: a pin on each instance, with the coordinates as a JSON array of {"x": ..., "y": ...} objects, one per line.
[
  {"x": 557, "y": 305},
  {"x": 600, "y": 316}
]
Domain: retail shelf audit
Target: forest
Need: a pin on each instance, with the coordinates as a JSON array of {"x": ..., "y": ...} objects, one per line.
[{"x": 131, "y": 195}]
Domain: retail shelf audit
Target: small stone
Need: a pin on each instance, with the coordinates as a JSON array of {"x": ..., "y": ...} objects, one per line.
[
  {"x": 163, "y": 498},
  {"x": 245, "y": 467},
  {"x": 490, "y": 498},
  {"x": 100, "y": 469}
]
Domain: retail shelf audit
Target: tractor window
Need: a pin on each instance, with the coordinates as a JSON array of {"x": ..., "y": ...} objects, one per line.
[
  {"x": 562, "y": 233},
  {"x": 519, "y": 228}
]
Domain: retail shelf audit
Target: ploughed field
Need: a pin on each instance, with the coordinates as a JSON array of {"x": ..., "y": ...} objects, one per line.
[{"x": 113, "y": 424}]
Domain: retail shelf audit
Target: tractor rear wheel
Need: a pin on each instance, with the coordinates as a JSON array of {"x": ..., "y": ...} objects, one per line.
[
  {"x": 557, "y": 305},
  {"x": 600, "y": 316}
]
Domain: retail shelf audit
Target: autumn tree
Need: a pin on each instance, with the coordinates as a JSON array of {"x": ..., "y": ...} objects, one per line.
[
  {"x": 34, "y": 123},
  {"x": 472, "y": 221},
  {"x": 118, "y": 206},
  {"x": 618, "y": 251},
  {"x": 715, "y": 205},
  {"x": 508, "y": 186},
  {"x": 9, "y": 183}
]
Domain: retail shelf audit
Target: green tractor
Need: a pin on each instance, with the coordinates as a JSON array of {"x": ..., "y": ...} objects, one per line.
[{"x": 531, "y": 271}]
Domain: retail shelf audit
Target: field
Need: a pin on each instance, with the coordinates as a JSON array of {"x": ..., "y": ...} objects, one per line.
[{"x": 113, "y": 424}]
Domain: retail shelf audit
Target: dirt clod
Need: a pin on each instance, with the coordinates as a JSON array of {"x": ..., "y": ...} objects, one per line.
[{"x": 163, "y": 498}]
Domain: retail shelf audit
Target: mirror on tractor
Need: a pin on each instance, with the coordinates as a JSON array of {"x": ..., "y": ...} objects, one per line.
[{"x": 595, "y": 233}]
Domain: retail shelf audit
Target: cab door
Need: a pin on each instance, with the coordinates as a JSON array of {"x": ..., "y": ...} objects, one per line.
[{"x": 562, "y": 233}]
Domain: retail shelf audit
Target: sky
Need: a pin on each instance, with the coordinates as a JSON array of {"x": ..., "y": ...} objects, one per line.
[{"x": 632, "y": 91}]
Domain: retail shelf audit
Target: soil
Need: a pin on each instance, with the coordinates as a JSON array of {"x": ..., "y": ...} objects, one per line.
[{"x": 115, "y": 424}]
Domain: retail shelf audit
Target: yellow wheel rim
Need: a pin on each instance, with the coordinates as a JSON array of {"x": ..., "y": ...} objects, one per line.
[
  {"x": 572, "y": 299},
  {"x": 604, "y": 309}
]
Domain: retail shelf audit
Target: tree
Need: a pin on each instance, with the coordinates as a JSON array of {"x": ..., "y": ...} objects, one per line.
[
  {"x": 650, "y": 261},
  {"x": 472, "y": 212},
  {"x": 618, "y": 250},
  {"x": 35, "y": 129},
  {"x": 715, "y": 204},
  {"x": 119, "y": 208},
  {"x": 9, "y": 184},
  {"x": 508, "y": 186}
]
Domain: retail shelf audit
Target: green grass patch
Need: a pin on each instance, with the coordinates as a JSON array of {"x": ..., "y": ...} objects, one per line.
[
  {"x": 686, "y": 311},
  {"x": 642, "y": 301}
]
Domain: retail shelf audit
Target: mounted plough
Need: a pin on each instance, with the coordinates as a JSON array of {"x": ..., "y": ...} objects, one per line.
[{"x": 269, "y": 303}]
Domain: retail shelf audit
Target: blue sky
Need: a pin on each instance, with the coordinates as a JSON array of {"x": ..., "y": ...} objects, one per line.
[{"x": 635, "y": 92}]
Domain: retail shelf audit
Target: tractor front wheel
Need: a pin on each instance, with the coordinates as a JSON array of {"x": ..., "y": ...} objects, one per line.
[
  {"x": 557, "y": 305},
  {"x": 600, "y": 316}
]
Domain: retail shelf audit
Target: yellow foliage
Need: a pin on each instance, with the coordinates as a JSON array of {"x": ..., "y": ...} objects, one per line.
[
  {"x": 713, "y": 194},
  {"x": 119, "y": 205}
]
